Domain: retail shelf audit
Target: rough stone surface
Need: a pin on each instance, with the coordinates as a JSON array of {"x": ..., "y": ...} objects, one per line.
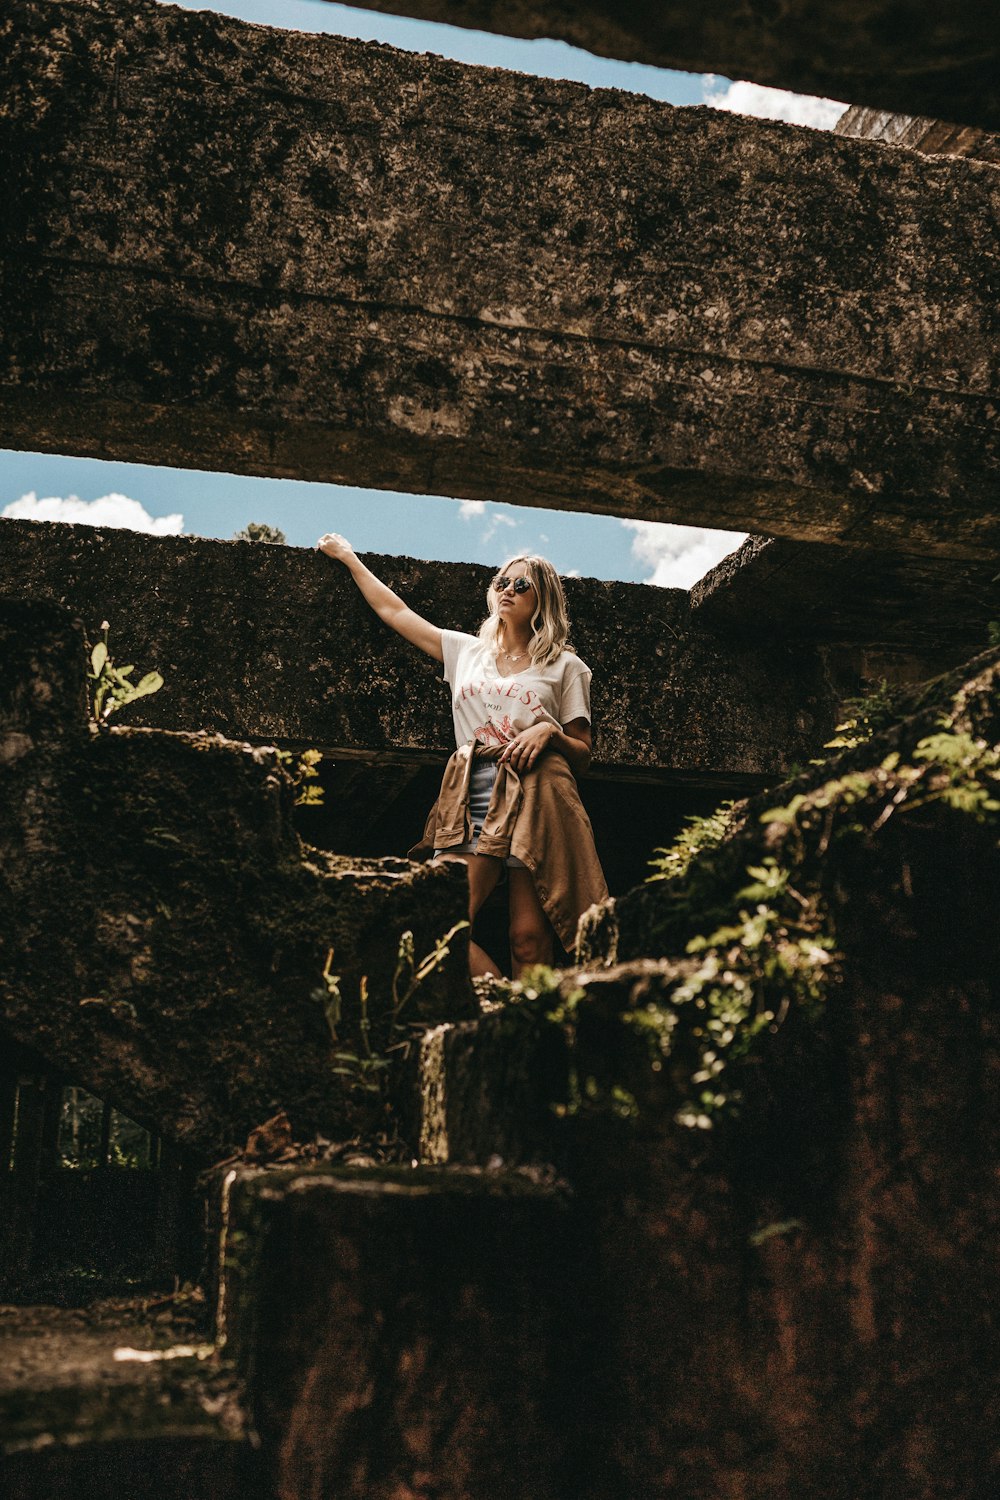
[
  {"x": 232, "y": 247},
  {"x": 267, "y": 642},
  {"x": 901, "y": 615},
  {"x": 81, "y": 1422},
  {"x": 909, "y": 614},
  {"x": 900, "y": 54},
  {"x": 408, "y": 1333},
  {"x": 162, "y": 928}
]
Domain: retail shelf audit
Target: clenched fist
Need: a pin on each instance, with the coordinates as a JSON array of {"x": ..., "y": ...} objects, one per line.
[{"x": 335, "y": 545}]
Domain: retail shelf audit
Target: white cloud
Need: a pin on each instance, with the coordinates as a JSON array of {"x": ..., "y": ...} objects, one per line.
[
  {"x": 108, "y": 510},
  {"x": 497, "y": 519},
  {"x": 470, "y": 508},
  {"x": 772, "y": 104},
  {"x": 679, "y": 555}
]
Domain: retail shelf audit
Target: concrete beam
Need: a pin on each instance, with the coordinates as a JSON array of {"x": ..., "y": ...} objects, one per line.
[
  {"x": 901, "y": 615},
  {"x": 268, "y": 643},
  {"x": 231, "y": 247},
  {"x": 904, "y": 55}
]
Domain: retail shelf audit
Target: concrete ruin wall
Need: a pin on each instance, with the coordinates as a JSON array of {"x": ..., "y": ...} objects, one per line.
[
  {"x": 276, "y": 643},
  {"x": 239, "y": 248},
  {"x": 902, "y": 616},
  {"x": 798, "y": 1301},
  {"x": 878, "y": 614}
]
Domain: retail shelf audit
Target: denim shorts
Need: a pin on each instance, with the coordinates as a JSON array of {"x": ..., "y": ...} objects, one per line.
[{"x": 484, "y": 774}]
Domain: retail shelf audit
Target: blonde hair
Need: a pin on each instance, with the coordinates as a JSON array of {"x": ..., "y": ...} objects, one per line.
[{"x": 549, "y": 623}]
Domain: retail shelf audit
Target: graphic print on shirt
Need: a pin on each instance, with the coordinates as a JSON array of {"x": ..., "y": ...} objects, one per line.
[{"x": 509, "y": 707}]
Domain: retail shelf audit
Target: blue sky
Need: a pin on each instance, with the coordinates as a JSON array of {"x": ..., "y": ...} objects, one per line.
[{"x": 168, "y": 501}]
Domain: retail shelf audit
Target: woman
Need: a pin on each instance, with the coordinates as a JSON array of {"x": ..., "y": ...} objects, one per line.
[{"x": 521, "y": 706}]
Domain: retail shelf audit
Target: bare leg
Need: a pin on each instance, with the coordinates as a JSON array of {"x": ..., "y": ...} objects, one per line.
[
  {"x": 530, "y": 930},
  {"x": 484, "y": 872}
]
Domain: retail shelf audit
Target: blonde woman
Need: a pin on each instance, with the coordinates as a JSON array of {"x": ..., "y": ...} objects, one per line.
[{"x": 521, "y": 708}]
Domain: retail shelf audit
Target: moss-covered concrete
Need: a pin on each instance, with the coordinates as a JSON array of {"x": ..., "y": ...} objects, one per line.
[
  {"x": 659, "y": 918},
  {"x": 268, "y": 252},
  {"x": 164, "y": 931}
]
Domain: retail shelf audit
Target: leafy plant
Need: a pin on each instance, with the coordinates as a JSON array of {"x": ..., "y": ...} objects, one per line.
[
  {"x": 109, "y": 686},
  {"x": 774, "y": 955},
  {"x": 330, "y": 997},
  {"x": 303, "y": 771},
  {"x": 697, "y": 835},
  {"x": 261, "y": 531},
  {"x": 864, "y": 716},
  {"x": 949, "y": 766},
  {"x": 366, "y": 1068}
]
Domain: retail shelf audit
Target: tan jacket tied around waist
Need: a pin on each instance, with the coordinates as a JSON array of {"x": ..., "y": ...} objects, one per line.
[{"x": 538, "y": 818}]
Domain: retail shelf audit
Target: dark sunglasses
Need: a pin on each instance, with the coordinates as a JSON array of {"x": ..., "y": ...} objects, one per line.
[{"x": 521, "y": 585}]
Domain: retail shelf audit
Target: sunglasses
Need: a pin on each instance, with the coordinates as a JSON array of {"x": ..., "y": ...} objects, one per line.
[{"x": 521, "y": 585}]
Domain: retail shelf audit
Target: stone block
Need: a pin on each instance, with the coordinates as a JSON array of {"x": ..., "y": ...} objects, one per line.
[
  {"x": 408, "y": 1332},
  {"x": 892, "y": 53}
]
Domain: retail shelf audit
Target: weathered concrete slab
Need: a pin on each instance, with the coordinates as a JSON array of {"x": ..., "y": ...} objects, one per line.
[
  {"x": 275, "y": 643},
  {"x": 163, "y": 932},
  {"x": 904, "y": 615},
  {"x": 901, "y": 615},
  {"x": 908, "y": 56},
  {"x": 239, "y": 248}
]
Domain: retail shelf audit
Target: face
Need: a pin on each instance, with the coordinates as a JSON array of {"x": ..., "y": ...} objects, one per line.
[{"x": 514, "y": 609}]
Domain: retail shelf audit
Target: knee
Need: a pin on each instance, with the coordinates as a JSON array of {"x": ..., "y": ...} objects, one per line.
[{"x": 530, "y": 944}]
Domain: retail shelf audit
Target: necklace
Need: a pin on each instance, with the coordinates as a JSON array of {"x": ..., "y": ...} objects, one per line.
[{"x": 518, "y": 656}]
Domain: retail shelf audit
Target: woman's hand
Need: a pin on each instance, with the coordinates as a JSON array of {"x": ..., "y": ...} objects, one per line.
[
  {"x": 525, "y": 748},
  {"x": 335, "y": 545}
]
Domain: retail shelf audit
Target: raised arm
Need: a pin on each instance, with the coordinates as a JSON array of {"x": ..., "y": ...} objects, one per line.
[{"x": 388, "y": 606}]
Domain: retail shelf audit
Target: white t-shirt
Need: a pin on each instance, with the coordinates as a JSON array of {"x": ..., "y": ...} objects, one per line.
[{"x": 493, "y": 709}]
